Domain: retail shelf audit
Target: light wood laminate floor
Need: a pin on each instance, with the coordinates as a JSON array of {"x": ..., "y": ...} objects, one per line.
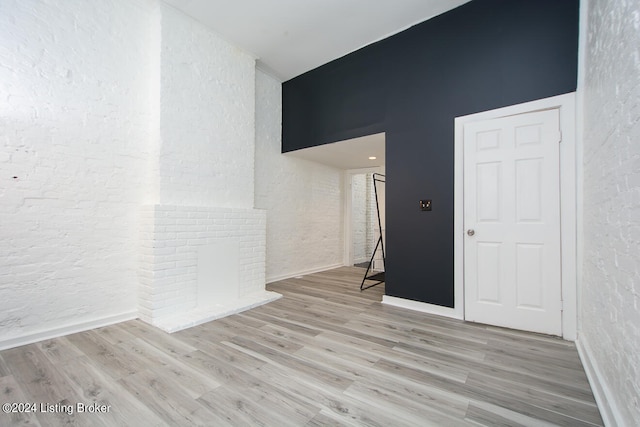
[{"x": 324, "y": 354}]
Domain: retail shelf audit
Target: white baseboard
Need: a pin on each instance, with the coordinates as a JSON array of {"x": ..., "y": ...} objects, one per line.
[
  {"x": 421, "y": 306},
  {"x": 66, "y": 330},
  {"x": 272, "y": 279},
  {"x": 604, "y": 398}
]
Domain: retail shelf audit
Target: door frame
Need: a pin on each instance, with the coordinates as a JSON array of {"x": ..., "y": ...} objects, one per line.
[{"x": 568, "y": 202}]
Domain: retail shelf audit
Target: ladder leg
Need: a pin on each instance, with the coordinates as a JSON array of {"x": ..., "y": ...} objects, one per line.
[{"x": 369, "y": 266}]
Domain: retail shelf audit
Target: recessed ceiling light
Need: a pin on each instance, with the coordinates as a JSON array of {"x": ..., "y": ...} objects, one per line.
[{"x": 372, "y": 157}]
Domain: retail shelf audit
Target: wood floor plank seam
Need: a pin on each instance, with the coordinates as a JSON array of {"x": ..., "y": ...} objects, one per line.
[{"x": 324, "y": 354}]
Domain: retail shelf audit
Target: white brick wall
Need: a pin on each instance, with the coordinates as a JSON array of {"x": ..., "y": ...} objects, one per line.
[
  {"x": 364, "y": 217},
  {"x": 303, "y": 199},
  {"x": 207, "y": 117},
  {"x": 372, "y": 216},
  {"x": 204, "y": 172},
  {"x": 73, "y": 148},
  {"x": 361, "y": 227},
  {"x": 610, "y": 317},
  {"x": 105, "y": 107},
  {"x": 170, "y": 238}
]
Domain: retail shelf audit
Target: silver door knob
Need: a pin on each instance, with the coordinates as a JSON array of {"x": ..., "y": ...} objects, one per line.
[{"x": 470, "y": 232}]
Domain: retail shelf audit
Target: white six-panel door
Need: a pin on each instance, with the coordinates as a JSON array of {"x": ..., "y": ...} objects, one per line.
[{"x": 512, "y": 262}]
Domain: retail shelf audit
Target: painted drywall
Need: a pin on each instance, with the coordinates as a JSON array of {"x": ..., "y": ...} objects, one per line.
[
  {"x": 610, "y": 288},
  {"x": 303, "y": 199},
  {"x": 107, "y": 107},
  {"x": 483, "y": 55}
]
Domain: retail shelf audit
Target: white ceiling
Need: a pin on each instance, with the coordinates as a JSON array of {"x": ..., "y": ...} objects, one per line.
[
  {"x": 349, "y": 154},
  {"x": 291, "y": 37}
]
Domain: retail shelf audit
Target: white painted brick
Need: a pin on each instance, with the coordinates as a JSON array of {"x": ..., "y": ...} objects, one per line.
[
  {"x": 74, "y": 133},
  {"x": 118, "y": 146},
  {"x": 304, "y": 199},
  {"x": 611, "y": 271},
  {"x": 174, "y": 285},
  {"x": 364, "y": 217},
  {"x": 213, "y": 117}
]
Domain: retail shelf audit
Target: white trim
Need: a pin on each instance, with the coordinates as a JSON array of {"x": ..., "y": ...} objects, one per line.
[
  {"x": 267, "y": 71},
  {"x": 568, "y": 215},
  {"x": 361, "y": 260},
  {"x": 422, "y": 307},
  {"x": 580, "y": 94},
  {"x": 566, "y": 104},
  {"x": 604, "y": 397},
  {"x": 66, "y": 330},
  {"x": 302, "y": 273}
]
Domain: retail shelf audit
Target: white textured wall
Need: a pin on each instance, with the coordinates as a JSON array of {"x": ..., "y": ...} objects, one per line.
[
  {"x": 372, "y": 216},
  {"x": 364, "y": 217},
  {"x": 303, "y": 199},
  {"x": 611, "y": 272},
  {"x": 360, "y": 226},
  {"x": 106, "y": 106},
  {"x": 206, "y": 117},
  {"x": 171, "y": 237},
  {"x": 203, "y": 172},
  {"x": 73, "y": 146}
]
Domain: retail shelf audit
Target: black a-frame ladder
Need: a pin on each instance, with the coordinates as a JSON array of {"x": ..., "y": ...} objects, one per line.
[{"x": 376, "y": 277}]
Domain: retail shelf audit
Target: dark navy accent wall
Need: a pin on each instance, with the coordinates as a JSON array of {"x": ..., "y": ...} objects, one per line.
[{"x": 483, "y": 55}]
